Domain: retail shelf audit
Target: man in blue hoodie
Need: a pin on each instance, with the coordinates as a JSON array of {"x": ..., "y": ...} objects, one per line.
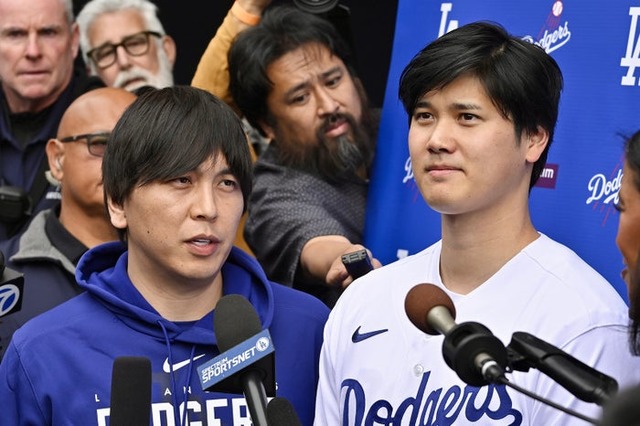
[{"x": 177, "y": 172}]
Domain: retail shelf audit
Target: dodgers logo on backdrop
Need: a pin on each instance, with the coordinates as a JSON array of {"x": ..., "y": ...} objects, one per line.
[
  {"x": 445, "y": 8},
  {"x": 604, "y": 191},
  {"x": 555, "y": 33},
  {"x": 631, "y": 59}
]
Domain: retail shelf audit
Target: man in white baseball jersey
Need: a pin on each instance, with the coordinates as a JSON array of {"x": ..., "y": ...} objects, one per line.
[{"x": 482, "y": 108}]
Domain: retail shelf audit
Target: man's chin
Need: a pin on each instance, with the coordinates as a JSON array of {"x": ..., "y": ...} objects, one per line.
[{"x": 35, "y": 91}]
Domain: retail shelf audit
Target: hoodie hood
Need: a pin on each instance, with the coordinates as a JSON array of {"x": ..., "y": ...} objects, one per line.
[{"x": 111, "y": 286}]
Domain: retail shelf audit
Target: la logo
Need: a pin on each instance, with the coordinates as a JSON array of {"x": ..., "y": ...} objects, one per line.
[{"x": 632, "y": 56}]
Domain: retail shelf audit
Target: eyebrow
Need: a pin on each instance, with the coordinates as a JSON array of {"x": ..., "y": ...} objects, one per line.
[
  {"x": 456, "y": 106},
  {"x": 307, "y": 83},
  {"x": 13, "y": 28}
]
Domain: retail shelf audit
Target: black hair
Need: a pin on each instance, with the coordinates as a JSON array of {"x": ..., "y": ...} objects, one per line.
[
  {"x": 521, "y": 79},
  {"x": 168, "y": 132},
  {"x": 632, "y": 158},
  {"x": 282, "y": 29}
]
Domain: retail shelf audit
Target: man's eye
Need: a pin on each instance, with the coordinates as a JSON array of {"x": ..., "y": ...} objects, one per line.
[
  {"x": 332, "y": 82},
  {"x": 103, "y": 53}
]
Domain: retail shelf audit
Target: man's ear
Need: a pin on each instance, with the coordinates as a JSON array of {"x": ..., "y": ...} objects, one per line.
[
  {"x": 536, "y": 143},
  {"x": 55, "y": 157},
  {"x": 117, "y": 214},
  {"x": 75, "y": 39},
  {"x": 169, "y": 46},
  {"x": 268, "y": 130}
]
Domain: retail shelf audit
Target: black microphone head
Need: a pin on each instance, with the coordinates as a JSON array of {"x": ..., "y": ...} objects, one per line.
[
  {"x": 130, "y": 391},
  {"x": 280, "y": 412},
  {"x": 623, "y": 409},
  {"x": 423, "y": 298},
  {"x": 235, "y": 320}
]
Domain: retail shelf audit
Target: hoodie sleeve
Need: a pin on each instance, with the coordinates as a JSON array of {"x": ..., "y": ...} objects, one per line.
[{"x": 19, "y": 403}]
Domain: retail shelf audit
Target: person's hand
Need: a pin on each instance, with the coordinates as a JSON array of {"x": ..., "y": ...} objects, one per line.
[
  {"x": 254, "y": 7},
  {"x": 338, "y": 276}
]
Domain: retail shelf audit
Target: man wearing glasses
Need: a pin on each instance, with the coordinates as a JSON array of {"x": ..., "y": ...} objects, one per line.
[
  {"x": 38, "y": 81},
  {"x": 50, "y": 247},
  {"x": 123, "y": 42}
]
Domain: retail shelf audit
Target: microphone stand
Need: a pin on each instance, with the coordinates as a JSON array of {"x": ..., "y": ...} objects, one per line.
[
  {"x": 466, "y": 346},
  {"x": 588, "y": 384},
  {"x": 506, "y": 382}
]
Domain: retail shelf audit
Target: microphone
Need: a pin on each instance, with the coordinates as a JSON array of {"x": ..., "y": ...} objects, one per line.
[
  {"x": 130, "y": 391},
  {"x": 280, "y": 412},
  {"x": 470, "y": 349},
  {"x": 623, "y": 409},
  {"x": 584, "y": 382},
  {"x": 11, "y": 289},
  {"x": 246, "y": 362}
]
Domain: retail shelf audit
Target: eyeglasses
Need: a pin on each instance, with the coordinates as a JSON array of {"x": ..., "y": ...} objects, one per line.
[
  {"x": 135, "y": 45},
  {"x": 96, "y": 142}
]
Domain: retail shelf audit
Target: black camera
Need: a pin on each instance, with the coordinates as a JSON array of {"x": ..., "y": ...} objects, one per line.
[
  {"x": 15, "y": 204},
  {"x": 315, "y": 6}
]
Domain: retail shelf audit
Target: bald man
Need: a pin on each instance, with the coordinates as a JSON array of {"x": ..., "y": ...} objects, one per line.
[{"x": 48, "y": 251}]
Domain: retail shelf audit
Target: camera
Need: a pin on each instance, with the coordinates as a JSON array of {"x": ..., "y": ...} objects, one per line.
[
  {"x": 15, "y": 204},
  {"x": 315, "y": 6}
]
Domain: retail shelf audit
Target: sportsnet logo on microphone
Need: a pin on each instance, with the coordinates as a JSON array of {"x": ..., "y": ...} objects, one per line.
[{"x": 219, "y": 373}]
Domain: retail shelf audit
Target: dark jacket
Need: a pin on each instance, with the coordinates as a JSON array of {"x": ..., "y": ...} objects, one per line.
[
  {"x": 22, "y": 165},
  {"x": 46, "y": 254}
]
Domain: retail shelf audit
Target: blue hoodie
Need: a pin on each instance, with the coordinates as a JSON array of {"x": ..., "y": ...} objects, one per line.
[{"x": 57, "y": 369}]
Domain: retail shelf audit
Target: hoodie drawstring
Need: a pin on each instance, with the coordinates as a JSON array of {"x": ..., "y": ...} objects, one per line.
[{"x": 167, "y": 341}]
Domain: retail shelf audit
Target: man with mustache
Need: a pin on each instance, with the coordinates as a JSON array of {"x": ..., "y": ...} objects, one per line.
[
  {"x": 124, "y": 43},
  {"x": 292, "y": 77},
  {"x": 38, "y": 81}
]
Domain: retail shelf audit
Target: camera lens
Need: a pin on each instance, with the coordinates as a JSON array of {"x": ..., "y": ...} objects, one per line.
[{"x": 315, "y": 6}]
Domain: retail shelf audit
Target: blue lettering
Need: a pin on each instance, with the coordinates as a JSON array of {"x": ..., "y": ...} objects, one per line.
[
  {"x": 353, "y": 386},
  {"x": 432, "y": 408},
  {"x": 449, "y": 400},
  {"x": 473, "y": 412},
  {"x": 431, "y": 405},
  {"x": 373, "y": 417},
  {"x": 414, "y": 403},
  {"x": 505, "y": 409}
]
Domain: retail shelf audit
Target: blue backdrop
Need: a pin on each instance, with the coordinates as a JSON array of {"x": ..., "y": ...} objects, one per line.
[{"x": 597, "y": 45}]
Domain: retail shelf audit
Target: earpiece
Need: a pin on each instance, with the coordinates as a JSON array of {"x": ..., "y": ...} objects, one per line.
[{"x": 58, "y": 164}]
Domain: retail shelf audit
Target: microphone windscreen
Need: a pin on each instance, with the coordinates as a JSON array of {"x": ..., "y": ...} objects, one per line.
[
  {"x": 235, "y": 320},
  {"x": 623, "y": 409},
  {"x": 280, "y": 412},
  {"x": 423, "y": 298},
  {"x": 130, "y": 391}
]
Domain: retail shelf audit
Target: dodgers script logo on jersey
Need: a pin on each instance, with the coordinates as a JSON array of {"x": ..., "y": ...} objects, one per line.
[{"x": 429, "y": 407}]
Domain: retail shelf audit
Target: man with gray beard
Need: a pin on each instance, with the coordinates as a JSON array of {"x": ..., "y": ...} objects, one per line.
[
  {"x": 124, "y": 43},
  {"x": 292, "y": 77}
]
